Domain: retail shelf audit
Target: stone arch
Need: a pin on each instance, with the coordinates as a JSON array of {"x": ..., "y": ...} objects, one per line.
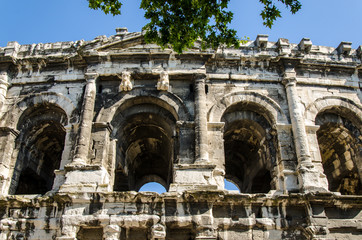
[
  {"x": 270, "y": 109},
  {"x": 168, "y": 100},
  {"x": 324, "y": 103},
  {"x": 149, "y": 179},
  {"x": 50, "y": 98},
  {"x": 251, "y": 146},
  {"x": 147, "y": 146},
  {"x": 38, "y": 148},
  {"x": 340, "y": 142}
]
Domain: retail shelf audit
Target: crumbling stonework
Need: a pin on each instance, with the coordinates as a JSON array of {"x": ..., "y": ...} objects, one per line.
[{"x": 84, "y": 125}]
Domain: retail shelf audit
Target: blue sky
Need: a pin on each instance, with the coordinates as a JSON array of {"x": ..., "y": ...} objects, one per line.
[{"x": 325, "y": 22}]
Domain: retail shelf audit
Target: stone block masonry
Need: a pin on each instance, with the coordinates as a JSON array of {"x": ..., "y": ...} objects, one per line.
[{"x": 84, "y": 125}]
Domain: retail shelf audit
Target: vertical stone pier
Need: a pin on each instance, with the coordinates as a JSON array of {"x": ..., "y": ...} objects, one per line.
[
  {"x": 309, "y": 176},
  {"x": 201, "y": 146},
  {"x": 80, "y": 173},
  {"x": 85, "y": 126}
]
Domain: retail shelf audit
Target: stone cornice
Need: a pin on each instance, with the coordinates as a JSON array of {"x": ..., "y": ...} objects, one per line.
[{"x": 130, "y": 44}]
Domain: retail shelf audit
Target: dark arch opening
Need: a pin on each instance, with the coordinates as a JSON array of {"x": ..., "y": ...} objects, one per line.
[
  {"x": 146, "y": 147},
  {"x": 40, "y": 145},
  {"x": 250, "y": 152},
  {"x": 340, "y": 144}
]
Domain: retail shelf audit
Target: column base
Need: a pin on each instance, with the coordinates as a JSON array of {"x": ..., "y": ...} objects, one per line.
[
  {"x": 194, "y": 177},
  {"x": 311, "y": 182},
  {"x": 85, "y": 178}
]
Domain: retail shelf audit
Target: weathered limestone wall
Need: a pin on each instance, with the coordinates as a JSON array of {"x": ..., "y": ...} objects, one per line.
[
  {"x": 191, "y": 215},
  {"x": 84, "y": 125}
]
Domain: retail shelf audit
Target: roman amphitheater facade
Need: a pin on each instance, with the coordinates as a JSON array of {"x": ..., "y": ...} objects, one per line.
[{"x": 84, "y": 125}]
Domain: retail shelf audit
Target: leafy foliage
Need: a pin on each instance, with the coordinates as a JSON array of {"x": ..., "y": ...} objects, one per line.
[
  {"x": 270, "y": 12},
  {"x": 179, "y": 23},
  {"x": 182, "y": 22},
  {"x": 107, "y": 6}
]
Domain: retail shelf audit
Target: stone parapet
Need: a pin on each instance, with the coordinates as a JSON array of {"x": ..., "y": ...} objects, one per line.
[{"x": 197, "y": 214}]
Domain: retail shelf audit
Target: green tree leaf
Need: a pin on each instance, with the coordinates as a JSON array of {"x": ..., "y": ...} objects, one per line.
[{"x": 180, "y": 23}]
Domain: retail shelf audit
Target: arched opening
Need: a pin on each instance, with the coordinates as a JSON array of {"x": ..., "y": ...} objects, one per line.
[
  {"x": 146, "y": 136},
  {"x": 153, "y": 187},
  {"x": 340, "y": 144},
  {"x": 39, "y": 149},
  {"x": 229, "y": 185},
  {"x": 250, "y": 152}
]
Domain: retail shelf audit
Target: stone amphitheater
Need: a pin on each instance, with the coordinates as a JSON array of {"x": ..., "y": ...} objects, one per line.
[{"x": 84, "y": 125}]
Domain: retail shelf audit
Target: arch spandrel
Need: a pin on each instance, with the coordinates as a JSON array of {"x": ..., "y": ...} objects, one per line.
[
  {"x": 54, "y": 99},
  {"x": 325, "y": 103},
  {"x": 167, "y": 100},
  {"x": 269, "y": 107}
]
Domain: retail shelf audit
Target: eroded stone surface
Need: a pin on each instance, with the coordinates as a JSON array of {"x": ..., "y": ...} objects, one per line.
[{"x": 84, "y": 125}]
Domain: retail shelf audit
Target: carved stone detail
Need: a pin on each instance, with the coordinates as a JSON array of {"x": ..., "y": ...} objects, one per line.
[
  {"x": 163, "y": 83},
  {"x": 158, "y": 231},
  {"x": 126, "y": 84},
  {"x": 85, "y": 125}
]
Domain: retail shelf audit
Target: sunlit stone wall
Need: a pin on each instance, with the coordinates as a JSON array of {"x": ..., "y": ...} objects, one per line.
[{"x": 84, "y": 125}]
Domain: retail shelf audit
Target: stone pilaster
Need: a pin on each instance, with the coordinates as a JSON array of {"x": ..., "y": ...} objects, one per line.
[
  {"x": 7, "y": 145},
  {"x": 112, "y": 152},
  {"x": 288, "y": 177},
  {"x": 201, "y": 147},
  {"x": 300, "y": 136},
  {"x": 216, "y": 151},
  {"x": 81, "y": 174},
  {"x": 4, "y": 83},
  {"x": 202, "y": 174},
  {"x": 316, "y": 154},
  {"x": 186, "y": 142},
  {"x": 317, "y": 222},
  {"x": 204, "y": 226},
  {"x": 85, "y": 127},
  {"x": 101, "y": 142},
  {"x": 308, "y": 175},
  {"x": 60, "y": 173}
]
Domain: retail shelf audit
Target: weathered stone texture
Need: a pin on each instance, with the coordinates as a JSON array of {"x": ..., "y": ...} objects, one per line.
[{"x": 84, "y": 125}]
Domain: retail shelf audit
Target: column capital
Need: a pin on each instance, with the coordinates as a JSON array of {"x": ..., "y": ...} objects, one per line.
[
  {"x": 91, "y": 76},
  {"x": 289, "y": 77}
]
